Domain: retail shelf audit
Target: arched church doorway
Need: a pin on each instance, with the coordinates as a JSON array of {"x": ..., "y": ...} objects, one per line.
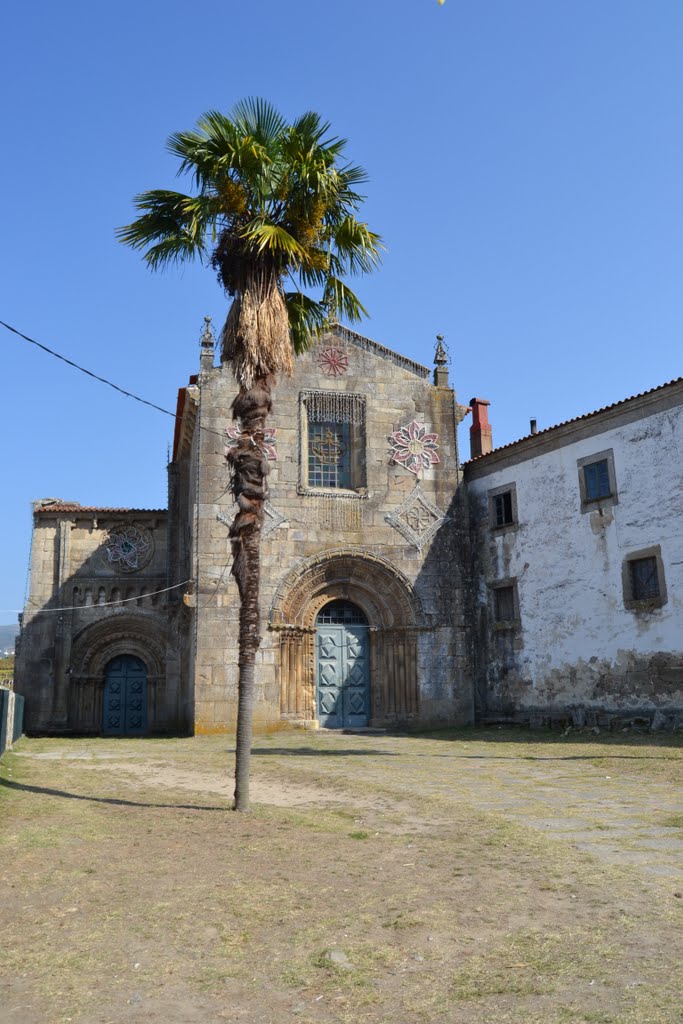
[
  {"x": 342, "y": 666},
  {"x": 124, "y": 706}
]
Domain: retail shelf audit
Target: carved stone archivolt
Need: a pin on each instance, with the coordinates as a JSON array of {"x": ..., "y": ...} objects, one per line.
[
  {"x": 382, "y": 591},
  {"x": 140, "y": 634},
  {"x": 137, "y": 633},
  {"x": 394, "y": 614}
]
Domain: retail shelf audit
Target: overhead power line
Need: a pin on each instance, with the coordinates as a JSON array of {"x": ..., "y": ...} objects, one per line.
[{"x": 95, "y": 376}]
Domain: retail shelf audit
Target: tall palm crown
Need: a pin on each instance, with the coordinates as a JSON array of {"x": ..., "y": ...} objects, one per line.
[{"x": 275, "y": 215}]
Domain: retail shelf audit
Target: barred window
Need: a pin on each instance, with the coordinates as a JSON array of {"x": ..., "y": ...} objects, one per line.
[
  {"x": 333, "y": 440},
  {"x": 644, "y": 579},
  {"x": 329, "y": 454},
  {"x": 504, "y": 604}
]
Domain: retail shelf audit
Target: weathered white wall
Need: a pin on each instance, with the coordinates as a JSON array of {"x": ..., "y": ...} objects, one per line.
[{"x": 577, "y": 643}]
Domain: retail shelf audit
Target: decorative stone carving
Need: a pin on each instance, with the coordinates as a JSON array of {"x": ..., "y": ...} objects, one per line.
[
  {"x": 127, "y": 548},
  {"x": 271, "y": 518},
  {"x": 269, "y": 448},
  {"x": 417, "y": 519},
  {"x": 414, "y": 448},
  {"x": 334, "y": 362}
]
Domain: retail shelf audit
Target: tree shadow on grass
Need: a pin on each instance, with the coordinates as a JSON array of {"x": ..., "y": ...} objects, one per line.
[
  {"x": 45, "y": 791},
  {"x": 317, "y": 752}
]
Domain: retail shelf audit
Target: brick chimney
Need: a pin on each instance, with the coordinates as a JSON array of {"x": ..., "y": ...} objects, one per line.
[{"x": 481, "y": 439}]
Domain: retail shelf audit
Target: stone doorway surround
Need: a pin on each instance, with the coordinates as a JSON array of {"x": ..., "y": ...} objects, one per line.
[
  {"x": 122, "y": 633},
  {"x": 395, "y": 619}
]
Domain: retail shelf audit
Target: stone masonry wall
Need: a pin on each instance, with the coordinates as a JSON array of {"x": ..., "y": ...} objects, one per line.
[
  {"x": 80, "y": 604},
  {"x": 302, "y": 524}
]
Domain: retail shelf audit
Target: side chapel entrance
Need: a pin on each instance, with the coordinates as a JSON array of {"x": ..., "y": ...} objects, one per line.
[
  {"x": 342, "y": 666},
  {"x": 124, "y": 707}
]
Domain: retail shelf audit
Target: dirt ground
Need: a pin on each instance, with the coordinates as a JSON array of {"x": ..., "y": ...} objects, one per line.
[{"x": 468, "y": 877}]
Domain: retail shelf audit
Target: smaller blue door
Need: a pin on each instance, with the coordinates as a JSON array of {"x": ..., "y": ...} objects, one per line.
[
  {"x": 124, "y": 711},
  {"x": 343, "y": 667}
]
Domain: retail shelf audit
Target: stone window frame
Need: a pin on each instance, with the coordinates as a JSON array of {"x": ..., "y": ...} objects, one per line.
[
  {"x": 492, "y": 494},
  {"x": 508, "y": 582},
  {"x": 358, "y": 453},
  {"x": 589, "y": 504},
  {"x": 632, "y": 603}
]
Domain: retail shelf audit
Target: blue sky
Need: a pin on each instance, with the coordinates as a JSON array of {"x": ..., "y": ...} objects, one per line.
[{"x": 526, "y": 162}]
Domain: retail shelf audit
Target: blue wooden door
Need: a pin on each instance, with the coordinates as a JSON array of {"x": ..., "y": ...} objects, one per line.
[
  {"x": 124, "y": 711},
  {"x": 343, "y": 667}
]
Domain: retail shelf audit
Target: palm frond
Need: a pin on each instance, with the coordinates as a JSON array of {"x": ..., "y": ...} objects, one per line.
[
  {"x": 307, "y": 320},
  {"x": 257, "y": 117},
  {"x": 274, "y": 239},
  {"x": 358, "y": 249},
  {"x": 340, "y": 301}
]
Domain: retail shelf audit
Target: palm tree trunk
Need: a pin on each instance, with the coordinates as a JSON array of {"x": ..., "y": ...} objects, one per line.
[{"x": 249, "y": 486}]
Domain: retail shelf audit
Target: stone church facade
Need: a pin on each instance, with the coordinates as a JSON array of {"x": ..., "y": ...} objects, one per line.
[{"x": 399, "y": 589}]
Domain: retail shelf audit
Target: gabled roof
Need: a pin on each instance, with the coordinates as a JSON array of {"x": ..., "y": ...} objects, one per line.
[
  {"x": 529, "y": 440},
  {"x": 353, "y": 338}
]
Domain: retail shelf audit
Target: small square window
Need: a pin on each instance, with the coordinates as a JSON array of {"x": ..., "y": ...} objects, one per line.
[
  {"x": 504, "y": 604},
  {"x": 503, "y": 507},
  {"x": 597, "y": 481},
  {"x": 643, "y": 580}
]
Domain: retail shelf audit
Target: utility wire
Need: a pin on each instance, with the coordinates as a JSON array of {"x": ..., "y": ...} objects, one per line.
[
  {"x": 102, "y": 380},
  {"x": 95, "y": 376},
  {"x": 100, "y": 604}
]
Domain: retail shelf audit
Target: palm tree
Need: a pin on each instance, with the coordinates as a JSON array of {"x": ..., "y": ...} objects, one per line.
[{"x": 273, "y": 212}]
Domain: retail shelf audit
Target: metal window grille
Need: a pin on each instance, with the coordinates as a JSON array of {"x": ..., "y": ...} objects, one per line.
[
  {"x": 596, "y": 477},
  {"x": 644, "y": 578},
  {"x": 341, "y": 613},
  {"x": 329, "y": 454}
]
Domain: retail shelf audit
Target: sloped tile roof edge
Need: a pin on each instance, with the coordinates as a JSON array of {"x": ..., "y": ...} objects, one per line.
[
  {"x": 98, "y": 508},
  {"x": 576, "y": 419}
]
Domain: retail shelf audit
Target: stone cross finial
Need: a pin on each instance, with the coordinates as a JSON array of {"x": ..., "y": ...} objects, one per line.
[
  {"x": 440, "y": 360},
  {"x": 207, "y": 337},
  {"x": 207, "y": 343}
]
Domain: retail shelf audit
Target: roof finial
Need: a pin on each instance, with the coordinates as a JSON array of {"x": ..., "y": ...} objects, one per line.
[
  {"x": 207, "y": 339},
  {"x": 440, "y": 356},
  {"x": 206, "y": 346}
]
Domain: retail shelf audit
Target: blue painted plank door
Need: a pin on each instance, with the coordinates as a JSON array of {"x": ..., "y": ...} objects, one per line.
[
  {"x": 343, "y": 674},
  {"x": 124, "y": 711}
]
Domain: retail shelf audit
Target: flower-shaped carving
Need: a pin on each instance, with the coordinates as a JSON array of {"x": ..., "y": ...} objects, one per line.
[
  {"x": 128, "y": 548},
  {"x": 414, "y": 448},
  {"x": 269, "y": 449},
  {"x": 333, "y": 361}
]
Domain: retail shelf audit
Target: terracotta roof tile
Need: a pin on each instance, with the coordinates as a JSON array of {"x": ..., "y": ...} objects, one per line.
[
  {"x": 95, "y": 508},
  {"x": 578, "y": 419}
]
